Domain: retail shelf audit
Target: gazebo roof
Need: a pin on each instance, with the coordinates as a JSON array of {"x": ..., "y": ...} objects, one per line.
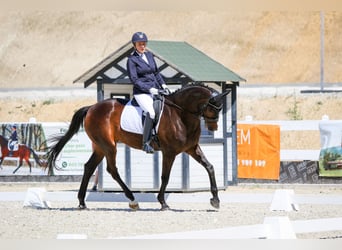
[{"x": 179, "y": 62}]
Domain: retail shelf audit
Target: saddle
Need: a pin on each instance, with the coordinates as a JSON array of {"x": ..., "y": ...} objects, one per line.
[
  {"x": 132, "y": 117},
  {"x": 13, "y": 145}
]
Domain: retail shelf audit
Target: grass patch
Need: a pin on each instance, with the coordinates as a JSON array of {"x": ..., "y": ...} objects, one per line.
[
  {"x": 48, "y": 102},
  {"x": 294, "y": 112}
]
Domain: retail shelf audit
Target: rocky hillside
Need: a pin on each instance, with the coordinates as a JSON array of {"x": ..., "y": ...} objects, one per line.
[{"x": 50, "y": 48}]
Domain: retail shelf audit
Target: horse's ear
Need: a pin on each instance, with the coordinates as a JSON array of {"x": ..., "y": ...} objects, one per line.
[
  {"x": 219, "y": 97},
  {"x": 225, "y": 93}
]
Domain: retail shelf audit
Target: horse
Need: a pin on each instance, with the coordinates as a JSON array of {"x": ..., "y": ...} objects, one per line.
[
  {"x": 23, "y": 152},
  {"x": 179, "y": 131}
]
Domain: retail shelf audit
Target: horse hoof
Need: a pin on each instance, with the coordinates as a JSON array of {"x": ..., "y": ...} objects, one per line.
[
  {"x": 134, "y": 205},
  {"x": 165, "y": 208},
  {"x": 215, "y": 203},
  {"x": 82, "y": 207}
]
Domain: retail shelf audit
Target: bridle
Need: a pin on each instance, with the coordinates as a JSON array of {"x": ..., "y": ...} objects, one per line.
[
  {"x": 214, "y": 107},
  {"x": 202, "y": 110}
]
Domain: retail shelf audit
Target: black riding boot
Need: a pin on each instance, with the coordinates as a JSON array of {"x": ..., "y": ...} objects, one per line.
[
  {"x": 148, "y": 125},
  {"x": 10, "y": 154}
]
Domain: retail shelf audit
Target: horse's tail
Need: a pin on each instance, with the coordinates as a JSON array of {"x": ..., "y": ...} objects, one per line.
[{"x": 55, "y": 149}]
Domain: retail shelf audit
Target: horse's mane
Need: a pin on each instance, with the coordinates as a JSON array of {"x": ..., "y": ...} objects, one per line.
[{"x": 194, "y": 84}]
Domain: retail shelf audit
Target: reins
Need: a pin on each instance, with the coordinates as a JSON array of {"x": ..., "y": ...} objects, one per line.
[
  {"x": 201, "y": 114},
  {"x": 168, "y": 102}
]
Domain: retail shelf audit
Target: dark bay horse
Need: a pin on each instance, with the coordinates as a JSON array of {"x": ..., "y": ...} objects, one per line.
[
  {"x": 179, "y": 131},
  {"x": 23, "y": 153}
]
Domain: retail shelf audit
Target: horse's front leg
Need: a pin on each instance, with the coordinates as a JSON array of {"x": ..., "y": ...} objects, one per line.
[
  {"x": 198, "y": 155},
  {"x": 1, "y": 160},
  {"x": 167, "y": 165}
]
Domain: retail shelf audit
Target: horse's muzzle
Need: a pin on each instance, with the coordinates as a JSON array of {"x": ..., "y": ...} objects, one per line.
[{"x": 212, "y": 126}]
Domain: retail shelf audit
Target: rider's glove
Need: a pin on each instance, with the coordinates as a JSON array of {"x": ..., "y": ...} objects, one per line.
[
  {"x": 168, "y": 91},
  {"x": 154, "y": 91}
]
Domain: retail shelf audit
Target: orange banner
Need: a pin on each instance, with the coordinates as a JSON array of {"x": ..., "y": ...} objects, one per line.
[{"x": 258, "y": 151}]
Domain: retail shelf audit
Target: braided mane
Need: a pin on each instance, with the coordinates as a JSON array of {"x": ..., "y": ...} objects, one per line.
[{"x": 195, "y": 84}]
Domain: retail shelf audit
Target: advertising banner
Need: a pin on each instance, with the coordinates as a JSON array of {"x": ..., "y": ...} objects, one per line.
[
  {"x": 330, "y": 157},
  {"x": 258, "y": 148},
  {"x": 35, "y": 138}
]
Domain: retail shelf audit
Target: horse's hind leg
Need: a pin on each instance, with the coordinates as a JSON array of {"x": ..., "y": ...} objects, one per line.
[
  {"x": 198, "y": 155},
  {"x": 112, "y": 169},
  {"x": 29, "y": 164},
  {"x": 20, "y": 164},
  {"x": 89, "y": 169},
  {"x": 15, "y": 170},
  {"x": 1, "y": 160}
]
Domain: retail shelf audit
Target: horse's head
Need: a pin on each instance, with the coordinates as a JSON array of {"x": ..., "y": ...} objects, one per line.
[
  {"x": 201, "y": 101},
  {"x": 210, "y": 111}
]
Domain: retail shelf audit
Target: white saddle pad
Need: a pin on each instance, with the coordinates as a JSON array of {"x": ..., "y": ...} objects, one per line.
[
  {"x": 131, "y": 120},
  {"x": 15, "y": 146}
]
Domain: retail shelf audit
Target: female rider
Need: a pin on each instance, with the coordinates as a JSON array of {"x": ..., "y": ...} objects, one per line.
[{"x": 143, "y": 72}]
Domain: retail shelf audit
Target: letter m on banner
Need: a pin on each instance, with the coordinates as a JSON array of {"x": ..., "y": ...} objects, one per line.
[{"x": 258, "y": 151}]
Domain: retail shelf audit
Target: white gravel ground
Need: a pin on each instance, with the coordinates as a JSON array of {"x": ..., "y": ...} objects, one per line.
[{"x": 108, "y": 220}]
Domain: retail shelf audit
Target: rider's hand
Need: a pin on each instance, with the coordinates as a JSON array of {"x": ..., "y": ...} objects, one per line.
[
  {"x": 154, "y": 91},
  {"x": 168, "y": 91}
]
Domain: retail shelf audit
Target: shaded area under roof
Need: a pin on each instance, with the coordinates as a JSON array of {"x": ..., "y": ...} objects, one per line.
[{"x": 179, "y": 62}]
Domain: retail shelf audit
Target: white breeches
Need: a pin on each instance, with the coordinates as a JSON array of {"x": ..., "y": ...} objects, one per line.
[{"x": 145, "y": 101}]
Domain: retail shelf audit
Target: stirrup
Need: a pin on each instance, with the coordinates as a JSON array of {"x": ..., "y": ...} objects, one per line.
[{"x": 148, "y": 149}]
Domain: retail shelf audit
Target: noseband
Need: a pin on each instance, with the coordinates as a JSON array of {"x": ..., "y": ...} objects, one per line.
[{"x": 214, "y": 107}]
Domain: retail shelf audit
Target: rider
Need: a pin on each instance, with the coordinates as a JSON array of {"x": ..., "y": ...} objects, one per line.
[
  {"x": 13, "y": 139},
  {"x": 144, "y": 74}
]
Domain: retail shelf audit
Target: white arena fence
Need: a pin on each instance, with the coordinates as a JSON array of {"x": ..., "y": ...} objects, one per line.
[{"x": 293, "y": 125}]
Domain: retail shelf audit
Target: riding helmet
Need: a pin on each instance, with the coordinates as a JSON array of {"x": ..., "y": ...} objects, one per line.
[{"x": 139, "y": 37}]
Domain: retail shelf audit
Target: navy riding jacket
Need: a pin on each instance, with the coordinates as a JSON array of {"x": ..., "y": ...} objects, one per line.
[
  {"x": 144, "y": 76},
  {"x": 14, "y": 136}
]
